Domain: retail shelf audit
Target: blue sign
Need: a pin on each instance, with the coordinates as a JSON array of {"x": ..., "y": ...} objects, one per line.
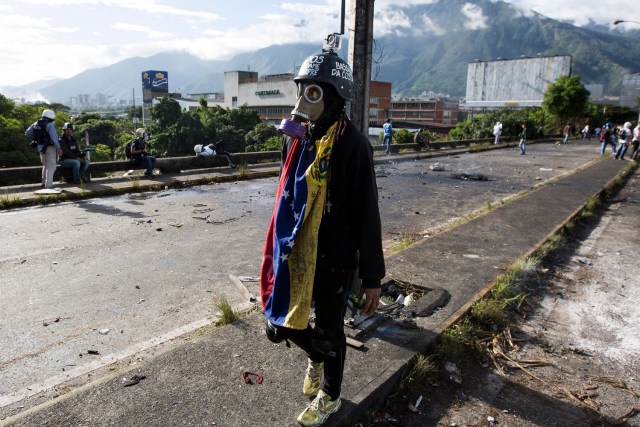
[{"x": 155, "y": 81}]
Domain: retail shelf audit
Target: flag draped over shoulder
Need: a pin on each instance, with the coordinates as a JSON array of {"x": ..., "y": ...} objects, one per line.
[{"x": 291, "y": 247}]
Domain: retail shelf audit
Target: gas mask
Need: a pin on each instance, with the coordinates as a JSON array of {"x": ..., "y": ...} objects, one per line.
[
  {"x": 309, "y": 108},
  {"x": 324, "y": 85}
]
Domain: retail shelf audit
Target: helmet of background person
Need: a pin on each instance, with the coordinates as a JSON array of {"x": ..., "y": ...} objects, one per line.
[{"x": 67, "y": 126}]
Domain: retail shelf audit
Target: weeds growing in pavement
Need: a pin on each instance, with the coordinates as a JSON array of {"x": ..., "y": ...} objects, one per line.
[
  {"x": 401, "y": 243},
  {"x": 8, "y": 201},
  {"x": 225, "y": 311},
  {"x": 243, "y": 170},
  {"x": 423, "y": 368}
]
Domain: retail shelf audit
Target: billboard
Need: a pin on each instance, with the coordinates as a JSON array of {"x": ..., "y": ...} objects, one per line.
[
  {"x": 513, "y": 82},
  {"x": 155, "y": 81}
]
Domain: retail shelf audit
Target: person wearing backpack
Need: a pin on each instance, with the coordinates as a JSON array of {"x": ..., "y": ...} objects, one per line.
[
  {"x": 43, "y": 133},
  {"x": 139, "y": 154},
  {"x": 72, "y": 157},
  {"x": 606, "y": 138},
  {"x": 624, "y": 138}
]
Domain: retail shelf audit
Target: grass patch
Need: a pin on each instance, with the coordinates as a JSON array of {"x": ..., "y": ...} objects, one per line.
[
  {"x": 243, "y": 171},
  {"x": 225, "y": 312},
  {"x": 8, "y": 201},
  {"x": 422, "y": 369},
  {"x": 402, "y": 242}
]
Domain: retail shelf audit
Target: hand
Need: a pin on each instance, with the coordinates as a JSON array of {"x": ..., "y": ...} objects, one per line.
[{"x": 372, "y": 301}]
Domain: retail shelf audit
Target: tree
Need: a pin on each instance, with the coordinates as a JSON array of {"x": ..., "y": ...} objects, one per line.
[
  {"x": 260, "y": 138},
  {"x": 165, "y": 113},
  {"x": 566, "y": 98}
]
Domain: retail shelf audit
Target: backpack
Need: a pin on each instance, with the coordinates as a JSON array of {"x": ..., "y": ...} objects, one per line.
[
  {"x": 622, "y": 133},
  {"x": 127, "y": 149},
  {"x": 40, "y": 134}
]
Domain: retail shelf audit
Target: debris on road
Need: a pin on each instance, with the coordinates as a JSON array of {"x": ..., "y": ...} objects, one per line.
[
  {"x": 242, "y": 288},
  {"x": 246, "y": 377},
  {"x": 133, "y": 380}
]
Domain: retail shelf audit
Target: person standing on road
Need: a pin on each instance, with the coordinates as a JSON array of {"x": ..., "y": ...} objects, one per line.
[
  {"x": 566, "y": 131},
  {"x": 324, "y": 227},
  {"x": 635, "y": 142},
  {"x": 43, "y": 133},
  {"x": 607, "y": 138},
  {"x": 139, "y": 153},
  {"x": 523, "y": 139},
  {"x": 624, "y": 136},
  {"x": 387, "y": 131},
  {"x": 497, "y": 131},
  {"x": 72, "y": 157}
]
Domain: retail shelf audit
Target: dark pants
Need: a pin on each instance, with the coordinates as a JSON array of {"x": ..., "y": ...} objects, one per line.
[
  {"x": 149, "y": 161},
  {"x": 326, "y": 342}
]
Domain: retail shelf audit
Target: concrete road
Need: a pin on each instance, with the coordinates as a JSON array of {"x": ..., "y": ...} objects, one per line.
[{"x": 119, "y": 275}]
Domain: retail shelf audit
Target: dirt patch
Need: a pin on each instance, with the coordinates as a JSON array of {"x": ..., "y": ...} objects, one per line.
[{"x": 570, "y": 359}]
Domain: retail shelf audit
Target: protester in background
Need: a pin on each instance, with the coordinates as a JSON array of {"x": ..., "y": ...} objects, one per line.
[
  {"x": 607, "y": 138},
  {"x": 598, "y": 132},
  {"x": 497, "y": 131},
  {"x": 566, "y": 131},
  {"x": 72, "y": 157},
  {"x": 214, "y": 149},
  {"x": 586, "y": 133},
  {"x": 387, "y": 130},
  {"x": 635, "y": 142},
  {"x": 624, "y": 138},
  {"x": 325, "y": 225},
  {"x": 523, "y": 139},
  {"x": 43, "y": 133},
  {"x": 421, "y": 139},
  {"x": 139, "y": 153}
]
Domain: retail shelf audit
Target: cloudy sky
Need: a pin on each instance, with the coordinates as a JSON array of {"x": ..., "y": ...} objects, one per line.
[{"x": 45, "y": 39}]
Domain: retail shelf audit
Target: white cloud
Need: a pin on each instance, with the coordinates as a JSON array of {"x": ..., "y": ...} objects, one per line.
[
  {"x": 476, "y": 18},
  {"x": 141, "y": 29},
  {"x": 391, "y": 22},
  {"x": 432, "y": 27},
  {"x": 581, "y": 12}
]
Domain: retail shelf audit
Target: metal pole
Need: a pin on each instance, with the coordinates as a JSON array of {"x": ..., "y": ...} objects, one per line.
[{"x": 359, "y": 57}]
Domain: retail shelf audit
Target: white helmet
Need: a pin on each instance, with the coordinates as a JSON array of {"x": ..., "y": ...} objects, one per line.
[
  {"x": 140, "y": 132},
  {"x": 49, "y": 114},
  {"x": 627, "y": 125},
  {"x": 198, "y": 148}
]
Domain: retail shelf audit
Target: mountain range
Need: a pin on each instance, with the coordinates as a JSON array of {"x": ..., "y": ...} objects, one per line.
[{"x": 430, "y": 53}]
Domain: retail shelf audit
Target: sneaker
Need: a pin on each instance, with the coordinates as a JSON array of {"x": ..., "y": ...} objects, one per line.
[
  {"x": 319, "y": 410},
  {"x": 312, "y": 378}
]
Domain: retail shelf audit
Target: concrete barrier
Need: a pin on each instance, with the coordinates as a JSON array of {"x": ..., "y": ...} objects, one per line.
[{"x": 33, "y": 174}]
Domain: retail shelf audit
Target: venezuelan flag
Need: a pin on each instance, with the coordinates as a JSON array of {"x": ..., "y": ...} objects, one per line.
[{"x": 291, "y": 246}]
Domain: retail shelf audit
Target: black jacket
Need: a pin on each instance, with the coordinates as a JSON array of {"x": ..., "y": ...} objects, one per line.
[
  {"x": 69, "y": 147},
  {"x": 350, "y": 232}
]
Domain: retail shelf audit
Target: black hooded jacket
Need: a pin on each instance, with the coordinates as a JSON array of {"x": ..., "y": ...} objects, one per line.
[{"x": 350, "y": 232}]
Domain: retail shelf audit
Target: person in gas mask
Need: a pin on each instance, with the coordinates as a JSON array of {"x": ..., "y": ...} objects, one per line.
[{"x": 325, "y": 226}]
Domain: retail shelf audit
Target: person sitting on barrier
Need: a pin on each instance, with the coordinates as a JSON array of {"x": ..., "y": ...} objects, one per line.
[
  {"x": 214, "y": 149},
  {"x": 72, "y": 157},
  {"x": 421, "y": 139},
  {"x": 139, "y": 153}
]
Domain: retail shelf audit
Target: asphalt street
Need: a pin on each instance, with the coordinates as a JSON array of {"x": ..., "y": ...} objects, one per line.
[{"x": 85, "y": 284}]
